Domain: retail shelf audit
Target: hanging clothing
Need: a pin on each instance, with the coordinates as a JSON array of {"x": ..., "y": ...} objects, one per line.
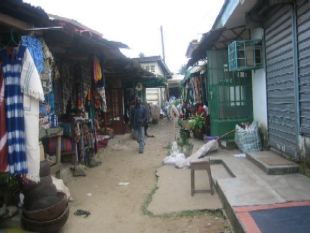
[
  {"x": 31, "y": 108},
  {"x": 12, "y": 66},
  {"x": 46, "y": 75},
  {"x": 30, "y": 79},
  {"x": 100, "y": 83},
  {"x": 101, "y": 92},
  {"x": 33, "y": 93},
  {"x": 97, "y": 70},
  {"x": 47, "y": 81},
  {"x": 36, "y": 50},
  {"x": 3, "y": 133}
]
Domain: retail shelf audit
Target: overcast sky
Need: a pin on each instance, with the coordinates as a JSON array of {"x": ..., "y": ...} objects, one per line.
[{"x": 137, "y": 22}]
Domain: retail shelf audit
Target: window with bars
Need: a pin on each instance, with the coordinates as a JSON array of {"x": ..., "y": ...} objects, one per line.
[{"x": 245, "y": 55}]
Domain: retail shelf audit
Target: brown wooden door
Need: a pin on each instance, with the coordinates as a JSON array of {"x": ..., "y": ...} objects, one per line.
[{"x": 115, "y": 114}]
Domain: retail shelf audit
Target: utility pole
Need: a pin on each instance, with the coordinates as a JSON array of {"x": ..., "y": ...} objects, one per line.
[
  {"x": 164, "y": 60},
  {"x": 162, "y": 43}
]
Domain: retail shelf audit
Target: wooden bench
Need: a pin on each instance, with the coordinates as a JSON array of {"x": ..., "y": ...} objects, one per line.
[{"x": 201, "y": 164}]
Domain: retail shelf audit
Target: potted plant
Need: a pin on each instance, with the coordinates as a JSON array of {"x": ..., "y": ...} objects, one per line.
[
  {"x": 183, "y": 140},
  {"x": 197, "y": 124}
]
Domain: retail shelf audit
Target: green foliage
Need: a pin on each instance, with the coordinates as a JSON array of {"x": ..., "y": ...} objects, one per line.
[
  {"x": 197, "y": 122},
  {"x": 187, "y": 213},
  {"x": 8, "y": 181},
  {"x": 9, "y": 186},
  {"x": 147, "y": 202},
  {"x": 184, "y": 137},
  {"x": 192, "y": 213},
  {"x": 184, "y": 133}
]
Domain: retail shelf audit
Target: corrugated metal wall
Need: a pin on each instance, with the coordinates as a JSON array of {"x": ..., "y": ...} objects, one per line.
[
  {"x": 280, "y": 80},
  {"x": 303, "y": 30}
]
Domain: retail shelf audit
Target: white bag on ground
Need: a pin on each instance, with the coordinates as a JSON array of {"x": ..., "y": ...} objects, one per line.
[
  {"x": 175, "y": 156},
  {"x": 174, "y": 159},
  {"x": 248, "y": 139},
  {"x": 61, "y": 187},
  {"x": 200, "y": 153}
]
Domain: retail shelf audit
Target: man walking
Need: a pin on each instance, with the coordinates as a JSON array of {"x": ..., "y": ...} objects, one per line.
[{"x": 138, "y": 119}]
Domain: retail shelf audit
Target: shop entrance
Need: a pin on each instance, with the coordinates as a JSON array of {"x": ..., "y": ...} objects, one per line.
[{"x": 229, "y": 94}]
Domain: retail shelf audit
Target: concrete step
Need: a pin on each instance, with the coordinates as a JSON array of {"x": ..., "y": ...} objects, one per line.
[{"x": 272, "y": 163}]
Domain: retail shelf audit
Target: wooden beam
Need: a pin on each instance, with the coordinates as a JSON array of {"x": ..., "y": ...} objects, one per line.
[{"x": 13, "y": 22}]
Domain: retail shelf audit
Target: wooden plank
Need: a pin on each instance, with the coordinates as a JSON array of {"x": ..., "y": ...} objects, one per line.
[{"x": 13, "y": 22}]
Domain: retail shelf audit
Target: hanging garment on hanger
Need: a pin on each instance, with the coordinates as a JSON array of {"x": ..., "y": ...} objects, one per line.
[
  {"x": 32, "y": 88},
  {"x": 11, "y": 67},
  {"x": 3, "y": 133}
]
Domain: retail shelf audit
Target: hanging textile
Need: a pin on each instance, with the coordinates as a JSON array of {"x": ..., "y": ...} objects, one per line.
[
  {"x": 100, "y": 83},
  {"x": 89, "y": 104},
  {"x": 33, "y": 94},
  {"x": 197, "y": 82},
  {"x": 97, "y": 70},
  {"x": 11, "y": 67},
  {"x": 30, "y": 79},
  {"x": 48, "y": 107},
  {"x": 46, "y": 75},
  {"x": 3, "y": 133},
  {"x": 35, "y": 48},
  {"x": 101, "y": 92}
]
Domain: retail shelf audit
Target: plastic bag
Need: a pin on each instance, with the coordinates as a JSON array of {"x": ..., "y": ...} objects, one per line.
[
  {"x": 248, "y": 139},
  {"x": 174, "y": 159},
  {"x": 61, "y": 187},
  {"x": 175, "y": 155},
  {"x": 200, "y": 153}
]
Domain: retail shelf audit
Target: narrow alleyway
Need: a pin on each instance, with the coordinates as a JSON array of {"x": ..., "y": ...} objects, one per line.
[{"x": 116, "y": 192}]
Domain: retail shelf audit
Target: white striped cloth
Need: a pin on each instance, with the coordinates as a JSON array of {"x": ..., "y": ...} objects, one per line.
[{"x": 33, "y": 93}]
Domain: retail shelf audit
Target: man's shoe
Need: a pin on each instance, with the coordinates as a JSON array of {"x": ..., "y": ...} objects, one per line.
[{"x": 141, "y": 151}]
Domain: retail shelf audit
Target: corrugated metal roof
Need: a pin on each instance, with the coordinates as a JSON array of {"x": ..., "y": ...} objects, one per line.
[{"x": 219, "y": 39}]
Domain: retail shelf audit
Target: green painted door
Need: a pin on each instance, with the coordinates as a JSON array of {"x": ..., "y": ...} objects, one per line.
[{"x": 229, "y": 94}]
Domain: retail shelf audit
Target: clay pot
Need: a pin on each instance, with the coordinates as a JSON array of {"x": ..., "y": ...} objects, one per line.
[
  {"x": 55, "y": 207},
  {"x": 46, "y": 226}
]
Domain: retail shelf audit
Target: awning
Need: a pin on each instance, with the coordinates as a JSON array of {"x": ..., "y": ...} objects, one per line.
[
  {"x": 147, "y": 82},
  {"x": 198, "y": 70},
  {"x": 217, "y": 39},
  {"x": 155, "y": 82},
  {"x": 206, "y": 41}
]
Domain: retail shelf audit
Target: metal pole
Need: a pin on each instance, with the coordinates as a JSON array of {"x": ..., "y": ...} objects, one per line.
[{"x": 162, "y": 43}]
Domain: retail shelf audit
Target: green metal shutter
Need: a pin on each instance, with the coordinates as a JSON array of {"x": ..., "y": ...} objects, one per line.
[{"x": 280, "y": 80}]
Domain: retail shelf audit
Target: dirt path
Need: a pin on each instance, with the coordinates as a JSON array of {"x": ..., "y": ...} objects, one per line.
[{"x": 118, "y": 208}]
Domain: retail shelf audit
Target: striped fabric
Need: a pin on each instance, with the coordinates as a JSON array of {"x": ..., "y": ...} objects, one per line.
[
  {"x": 12, "y": 66},
  {"x": 3, "y": 134}
]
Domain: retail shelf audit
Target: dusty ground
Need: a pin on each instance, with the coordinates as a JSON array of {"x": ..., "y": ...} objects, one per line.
[{"x": 118, "y": 208}]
